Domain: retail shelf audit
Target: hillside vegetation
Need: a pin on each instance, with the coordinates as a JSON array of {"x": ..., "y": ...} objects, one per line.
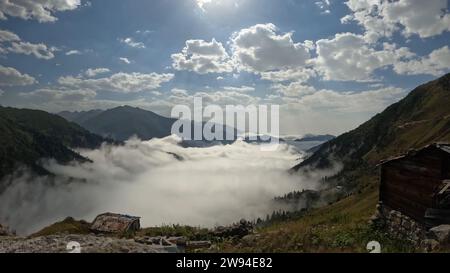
[
  {"x": 26, "y": 136},
  {"x": 421, "y": 118}
]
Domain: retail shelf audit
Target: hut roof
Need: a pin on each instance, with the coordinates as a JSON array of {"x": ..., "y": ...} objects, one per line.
[
  {"x": 113, "y": 223},
  {"x": 445, "y": 147}
]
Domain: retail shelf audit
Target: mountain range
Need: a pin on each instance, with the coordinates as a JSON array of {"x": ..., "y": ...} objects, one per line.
[
  {"x": 421, "y": 118},
  {"x": 122, "y": 122},
  {"x": 26, "y": 136}
]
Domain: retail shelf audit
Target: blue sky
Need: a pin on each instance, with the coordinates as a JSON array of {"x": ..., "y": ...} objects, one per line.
[{"x": 330, "y": 65}]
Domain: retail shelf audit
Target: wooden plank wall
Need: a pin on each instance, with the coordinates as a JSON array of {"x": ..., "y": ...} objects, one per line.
[{"x": 409, "y": 184}]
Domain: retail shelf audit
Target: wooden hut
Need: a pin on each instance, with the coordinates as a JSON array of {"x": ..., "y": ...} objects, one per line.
[{"x": 417, "y": 184}]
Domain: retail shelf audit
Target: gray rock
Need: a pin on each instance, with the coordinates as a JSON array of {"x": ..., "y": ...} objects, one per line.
[
  {"x": 441, "y": 234},
  {"x": 430, "y": 245},
  {"x": 5, "y": 231}
]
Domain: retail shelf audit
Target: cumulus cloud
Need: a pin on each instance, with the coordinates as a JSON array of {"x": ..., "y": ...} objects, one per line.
[
  {"x": 294, "y": 89},
  {"x": 261, "y": 48},
  {"x": 132, "y": 43},
  {"x": 11, "y": 77},
  {"x": 436, "y": 63},
  {"x": 299, "y": 74},
  {"x": 331, "y": 112},
  {"x": 41, "y": 10},
  {"x": 40, "y": 51},
  {"x": 124, "y": 60},
  {"x": 8, "y": 36},
  {"x": 209, "y": 186},
  {"x": 348, "y": 57},
  {"x": 353, "y": 102},
  {"x": 243, "y": 89},
  {"x": 119, "y": 82},
  {"x": 93, "y": 72},
  {"x": 11, "y": 42},
  {"x": 57, "y": 95},
  {"x": 224, "y": 96},
  {"x": 382, "y": 18},
  {"x": 203, "y": 57}
]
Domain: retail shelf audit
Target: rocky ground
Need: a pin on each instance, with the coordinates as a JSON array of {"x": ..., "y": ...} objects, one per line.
[
  {"x": 77, "y": 243},
  {"x": 59, "y": 238}
]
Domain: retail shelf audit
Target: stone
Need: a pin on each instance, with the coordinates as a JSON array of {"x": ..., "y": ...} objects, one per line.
[
  {"x": 251, "y": 239},
  {"x": 5, "y": 231},
  {"x": 441, "y": 234},
  {"x": 198, "y": 244},
  {"x": 430, "y": 245}
]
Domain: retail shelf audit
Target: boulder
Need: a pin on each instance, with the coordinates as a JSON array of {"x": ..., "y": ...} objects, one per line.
[
  {"x": 5, "y": 231},
  {"x": 236, "y": 230},
  {"x": 430, "y": 245},
  {"x": 441, "y": 234}
]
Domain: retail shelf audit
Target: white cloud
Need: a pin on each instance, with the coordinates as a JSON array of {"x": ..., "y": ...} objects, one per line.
[
  {"x": 1, "y": 92},
  {"x": 54, "y": 95},
  {"x": 132, "y": 43},
  {"x": 93, "y": 72},
  {"x": 294, "y": 89},
  {"x": 436, "y": 63},
  {"x": 203, "y": 57},
  {"x": 328, "y": 111},
  {"x": 179, "y": 92},
  {"x": 73, "y": 52},
  {"x": 40, "y": 51},
  {"x": 261, "y": 49},
  {"x": 348, "y": 57},
  {"x": 11, "y": 42},
  {"x": 353, "y": 102},
  {"x": 125, "y": 60},
  {"x": 324, "y": 5},
  {"x": 241, "y": 89},
  {"x": 8, "y": 36},
  {"x": 381, "y": 18},
  {"x": 11, "y": 77},
  {"x": 41, "y": 10},
  {"x": 217, "y": 97},
  {"x": 120, "y": 82},
  {"x": 300, "y": 74}
]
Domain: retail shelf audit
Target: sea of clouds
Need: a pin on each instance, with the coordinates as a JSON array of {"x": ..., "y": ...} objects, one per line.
[{"x": 159, "y": 180}]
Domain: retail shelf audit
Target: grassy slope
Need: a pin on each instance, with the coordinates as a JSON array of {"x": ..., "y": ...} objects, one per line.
[
  {"x": 67, "y": 226},
  {"x": 340, "y": 227},
  {"x": 29, "y": 135},
  {"x": 421, "y": 118}
]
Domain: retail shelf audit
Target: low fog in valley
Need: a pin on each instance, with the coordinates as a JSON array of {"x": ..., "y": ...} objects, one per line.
[{"x": 158, "y": 180}]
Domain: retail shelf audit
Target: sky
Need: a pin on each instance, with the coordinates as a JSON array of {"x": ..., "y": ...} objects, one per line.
[{"x": 329, "y": 64}]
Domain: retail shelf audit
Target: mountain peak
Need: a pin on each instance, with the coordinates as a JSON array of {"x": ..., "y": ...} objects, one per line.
[{"x": 421, "y": 118}]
